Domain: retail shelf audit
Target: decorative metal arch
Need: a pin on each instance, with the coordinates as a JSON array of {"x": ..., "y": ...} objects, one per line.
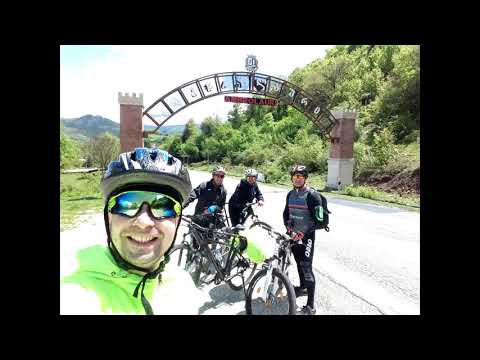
[{"x": 240, "y": 82}]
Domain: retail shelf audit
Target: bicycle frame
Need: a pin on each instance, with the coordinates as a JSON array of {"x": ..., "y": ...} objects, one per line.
[
  {"x": 276, "y": 262},
  {"x": 199, "y": 234},
  {"x": 249, "y": 214}
]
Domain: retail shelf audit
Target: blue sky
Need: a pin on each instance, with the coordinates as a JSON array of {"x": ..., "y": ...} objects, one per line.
[
  {"x": 92, "y": 75},
  {"x": 74, "y": 55}
]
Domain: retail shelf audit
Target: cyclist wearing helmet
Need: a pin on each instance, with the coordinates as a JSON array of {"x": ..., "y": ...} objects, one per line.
[
  {"x": 211, "y": 196},
  {"x": 143, "y": 191},
  {"x": 245, "y": 192},
  {"x": 302, "y": 206}
]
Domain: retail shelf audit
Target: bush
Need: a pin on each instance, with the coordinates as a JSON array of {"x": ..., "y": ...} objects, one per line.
[
  {"x": 274, "y": 173},
  {"x": 103, "y": 149},
  {"x": 258, "y": 153},
  {"x": 413, "y": 137},
  {"x": 361, "y": 191},
  {"x": 369, "y": 192},
  {"x": 69, "y": 151},
  {"x": 310, "y": 151},
  {"x": 383, "y": 148},
  {"x": 190, "y": 149},
  {"x": 66, "y": 188},
  {"x": 362, "y": 160}
]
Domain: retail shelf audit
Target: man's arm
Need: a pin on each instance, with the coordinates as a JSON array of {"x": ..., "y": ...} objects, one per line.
[
  {"x": 286, "y": 213},
  {"x": 223, "y": 199},
  {"x": 194, "y": 194},
  {"x": 258, "y": 193}
]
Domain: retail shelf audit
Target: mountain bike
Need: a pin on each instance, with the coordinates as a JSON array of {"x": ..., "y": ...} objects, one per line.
[
  {"x": 218, "y": 252},
  {"x": 270, "y": 291}
]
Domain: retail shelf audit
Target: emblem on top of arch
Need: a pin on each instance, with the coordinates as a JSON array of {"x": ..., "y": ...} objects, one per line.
[{"x": 251, "y": 63}]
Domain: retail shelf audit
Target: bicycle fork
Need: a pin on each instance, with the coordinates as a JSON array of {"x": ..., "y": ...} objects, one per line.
[{"x": 270, "y": 287}]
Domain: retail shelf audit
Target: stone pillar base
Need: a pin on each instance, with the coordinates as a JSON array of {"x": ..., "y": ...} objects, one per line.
[{"x": 340, "y": 173}]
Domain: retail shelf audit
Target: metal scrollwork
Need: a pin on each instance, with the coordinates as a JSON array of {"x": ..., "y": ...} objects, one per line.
[{"x": 312, "y": 106}]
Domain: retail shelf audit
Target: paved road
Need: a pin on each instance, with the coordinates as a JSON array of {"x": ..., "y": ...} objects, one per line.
[{"x": 369, "y": 263}]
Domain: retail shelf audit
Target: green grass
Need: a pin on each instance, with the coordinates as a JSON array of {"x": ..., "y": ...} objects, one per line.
[
  {"x": 79, "y": 194},
  {"x": 369, "y": 192},
  {"x": 341, "y": 195}
]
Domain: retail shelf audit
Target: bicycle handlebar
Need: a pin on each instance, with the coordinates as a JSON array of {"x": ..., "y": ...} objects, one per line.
[
  {"x": 283, "y": 237},
  {"x": 224, "y": 231}
]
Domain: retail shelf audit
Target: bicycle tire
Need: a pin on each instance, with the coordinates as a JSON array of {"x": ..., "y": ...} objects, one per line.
[
  {"x": 261, "y": 223},
  {"x": 185, "y": 262},
  {"x": 250, "y": 271},
  {"x": 291, "y": 299}
]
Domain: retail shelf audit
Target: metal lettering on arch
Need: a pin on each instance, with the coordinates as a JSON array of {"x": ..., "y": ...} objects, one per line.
[{"x": 237, "y": 83}]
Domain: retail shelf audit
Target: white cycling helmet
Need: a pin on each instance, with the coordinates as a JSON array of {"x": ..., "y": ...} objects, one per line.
[
  {"x": 251, "y": 172},
  {"x": 218, "y": 170}
]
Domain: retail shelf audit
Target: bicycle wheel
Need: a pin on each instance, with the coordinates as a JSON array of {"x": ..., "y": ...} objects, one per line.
[
  {"x": 236, "y": 283},
  {"x": 280, "y": 296},
  {"x": 261, "y": 224},
  {"x": 187, "y": 260}
]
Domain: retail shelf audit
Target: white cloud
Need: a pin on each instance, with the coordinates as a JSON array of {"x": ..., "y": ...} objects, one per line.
[{"x": 92, "y": 87}]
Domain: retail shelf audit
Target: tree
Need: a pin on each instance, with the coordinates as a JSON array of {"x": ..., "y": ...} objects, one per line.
[
  {"x": 209, "y": 125},
  {"x": 174, "y": 146},
  {"x": 154, "y": 139},
  {"x": 212, "y": 150},
  {"x": 103, "y": 149},
  {"x": 398, "y": 104},
  {"x": 328, "y": 79},
  {"x": 286, "y": 129},
  {"x": 189, "y": 130},
  {"x": 280, "y": 111},
  {"x": 256, "y": 113},
  {"x": 236, "y": 116},
  {"x": 69, "y": 150},
  {"x": 297, "y": 76},
  {"x": 190, "y": 149}
]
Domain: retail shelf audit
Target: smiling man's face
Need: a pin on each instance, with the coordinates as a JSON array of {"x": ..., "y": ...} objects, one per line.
[{"x": 142, "y": 240}]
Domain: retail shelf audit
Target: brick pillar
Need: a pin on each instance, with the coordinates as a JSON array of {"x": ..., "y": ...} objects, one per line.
[
  {"x": 340, "y": 162},
  {"x": 131, "y": 124}
]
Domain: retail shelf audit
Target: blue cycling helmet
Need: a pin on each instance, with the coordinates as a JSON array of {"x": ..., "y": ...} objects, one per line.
[{"x": 146, "y": 167}]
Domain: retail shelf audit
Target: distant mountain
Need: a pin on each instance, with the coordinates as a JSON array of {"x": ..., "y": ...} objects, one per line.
[
  {"x": 167, "y": 129},
  {"x": 89, "y": 126}
]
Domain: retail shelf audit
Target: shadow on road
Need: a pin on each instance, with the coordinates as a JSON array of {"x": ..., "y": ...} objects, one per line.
[{"x": 221, "y": 295}]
